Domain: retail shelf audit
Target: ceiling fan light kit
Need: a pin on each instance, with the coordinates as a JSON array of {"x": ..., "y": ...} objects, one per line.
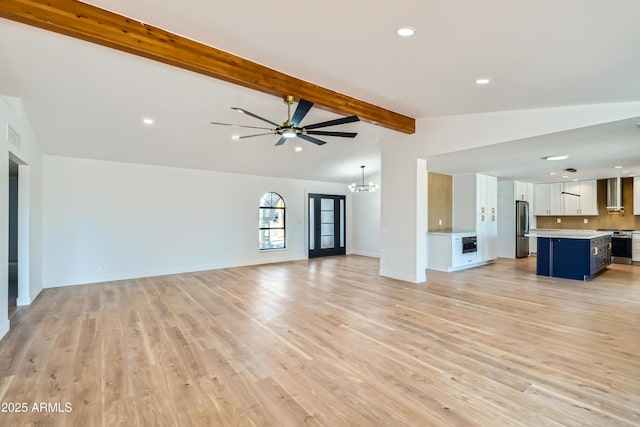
[
  {"x": 291, "y": 127},
  {"x": 358, "y": 188}
]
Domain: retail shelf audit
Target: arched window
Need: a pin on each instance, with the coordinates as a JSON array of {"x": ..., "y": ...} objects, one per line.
[{"x": 272, "y": 221}]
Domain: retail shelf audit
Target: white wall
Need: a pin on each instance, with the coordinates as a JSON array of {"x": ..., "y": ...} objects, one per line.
[
  {"x": 108, "y": 221},
  {"x": 403, "y": 249},
  {"x": 365, "y": 223},
  {"x": 30, "y": 218}
]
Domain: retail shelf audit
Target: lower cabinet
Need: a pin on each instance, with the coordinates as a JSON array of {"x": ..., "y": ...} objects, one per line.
[
  {"x": 487, "y": 231},
  {"x": 445, "y": 252}
]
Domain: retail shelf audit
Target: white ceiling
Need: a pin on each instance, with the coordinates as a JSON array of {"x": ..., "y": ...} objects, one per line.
[
  {"x": 593, "y": 151},
  {"x": 87, "y": 101}
]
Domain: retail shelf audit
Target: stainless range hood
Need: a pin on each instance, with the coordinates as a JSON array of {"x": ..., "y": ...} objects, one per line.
[{"x": 614, "y": 195}]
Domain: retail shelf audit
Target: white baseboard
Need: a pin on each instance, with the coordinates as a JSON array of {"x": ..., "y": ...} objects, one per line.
[
  {"x": 4, "y": 328},
  {"x": 402, "y": 276},
  {"x": 364, "y": 253}
]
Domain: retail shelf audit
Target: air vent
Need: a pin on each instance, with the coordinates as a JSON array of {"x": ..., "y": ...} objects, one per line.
[{"x": 13, "y": 136}]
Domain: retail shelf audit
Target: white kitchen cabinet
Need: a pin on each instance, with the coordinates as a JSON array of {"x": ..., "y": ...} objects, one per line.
[
  {"x": 444, "y": 252},
  {"x": 487, "y": 229},
  {"x": 523, "y": 191},
  {"x": 541, "y": 199},
  {"x": 635, "y": 247},
  {"x": 566, "y": 198},
  {"x": 589, "y": 197},
  {"x": 486, "y": 194},
  {"x": 571, "y": 198},
  {"x": 636, "y": 195},
  {"x": 475, "y": 200},
  {"x": 548, "y": 199},
  {"x": 580, "y": 198}
]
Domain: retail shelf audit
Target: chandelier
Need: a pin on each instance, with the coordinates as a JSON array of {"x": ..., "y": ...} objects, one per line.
[{"x": 356, "y": 188}]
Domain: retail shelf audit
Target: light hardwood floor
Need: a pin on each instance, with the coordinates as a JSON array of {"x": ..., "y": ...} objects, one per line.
[{"x": 329, "y": 342}]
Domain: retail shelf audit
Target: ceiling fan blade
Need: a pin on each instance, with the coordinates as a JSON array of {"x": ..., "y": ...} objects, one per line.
[
  {"x": 281, "y": 141},
  {"x": 311, "y": 139},
  {"x": 303, "y": 108},
  {"x": 254, "y": 115},
  {"x": 258, "y": 134},
  {"x": 340, "y": 121},
  {"x": 239, "y": 126},
  {"x": 329, "y": 133}
]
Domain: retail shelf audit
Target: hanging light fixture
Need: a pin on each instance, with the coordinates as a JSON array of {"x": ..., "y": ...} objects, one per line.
[{"x": 356, "y": 188}]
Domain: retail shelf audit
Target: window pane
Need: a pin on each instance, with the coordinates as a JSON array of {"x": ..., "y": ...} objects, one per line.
[
  {"x": 271, "y": 221},
  {"x": 271, "y": 218},
  {"x": 271, "y": 200},
  {"x": 326, "y": 204},
  {"x": 327, "y": 242},
  {"x": 271, "y": 239},
  {"x": 326, "y": 217},
  {"x": 326, "y": 229}
]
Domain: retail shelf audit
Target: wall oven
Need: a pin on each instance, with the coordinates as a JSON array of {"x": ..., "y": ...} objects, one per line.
[{"x": 469, "y": 244}]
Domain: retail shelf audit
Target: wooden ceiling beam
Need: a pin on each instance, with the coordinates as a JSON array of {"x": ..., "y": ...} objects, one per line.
[{"x": 90, "y": 23}]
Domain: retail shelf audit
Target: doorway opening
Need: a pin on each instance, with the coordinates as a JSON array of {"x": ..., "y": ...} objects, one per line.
[
  {"x": 327, "y": 233},
  {"x": 13, "y": 236}
]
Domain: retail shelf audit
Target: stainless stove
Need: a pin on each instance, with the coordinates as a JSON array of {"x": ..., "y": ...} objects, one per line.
[{"x": 621, "y": 250}]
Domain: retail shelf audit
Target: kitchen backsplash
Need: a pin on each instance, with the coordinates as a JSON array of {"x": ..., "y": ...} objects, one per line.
[{"x": 606, "y": 220}]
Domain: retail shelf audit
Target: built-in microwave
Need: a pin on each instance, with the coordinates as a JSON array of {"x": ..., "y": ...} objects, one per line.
[{"x": 469, "y": 244}]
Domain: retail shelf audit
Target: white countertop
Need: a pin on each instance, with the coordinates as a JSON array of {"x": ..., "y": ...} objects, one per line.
[
  {"x": 568, "y": 234},
  {"x": 452, "y": 233}
]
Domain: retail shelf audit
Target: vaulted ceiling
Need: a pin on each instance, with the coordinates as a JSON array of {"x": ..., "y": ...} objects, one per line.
[{"x": 88, "y": 101}]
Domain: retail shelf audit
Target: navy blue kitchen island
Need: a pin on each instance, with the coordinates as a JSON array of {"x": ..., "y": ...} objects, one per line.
[{"x": 578, "y": 254}]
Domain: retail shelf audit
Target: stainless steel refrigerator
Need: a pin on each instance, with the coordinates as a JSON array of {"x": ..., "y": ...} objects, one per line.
[{"x": 522, "y": 228}]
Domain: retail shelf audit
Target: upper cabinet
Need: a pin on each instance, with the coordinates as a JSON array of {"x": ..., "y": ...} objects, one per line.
[
  {"x": 523, "y": 191},
  {"x": 548, "y": 199},
  {"x": 567, "y": 198},
  {"x": 486, "y": 194},
  {"x": 588, "y": 197},
  {"x": 636, "y": 195}
]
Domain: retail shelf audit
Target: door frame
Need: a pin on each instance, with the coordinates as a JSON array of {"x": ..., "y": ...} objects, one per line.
[{"x": 24, "y": 196}]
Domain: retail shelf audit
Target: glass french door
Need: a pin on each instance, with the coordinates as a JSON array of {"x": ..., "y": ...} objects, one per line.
[{"x": 327, "y": 234}]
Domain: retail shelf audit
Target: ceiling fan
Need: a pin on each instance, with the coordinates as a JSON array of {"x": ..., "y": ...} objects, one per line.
[{"x": 291, "y": 128}]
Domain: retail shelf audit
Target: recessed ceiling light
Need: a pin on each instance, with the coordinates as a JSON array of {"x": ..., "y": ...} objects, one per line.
[
  {"x": 405, "y": 31},
  {"x": 618, "y": 167},
  {"x": 560, "y": 157},
  {"x": 483, "y": 81},
  {"x": 235, "y": 137},
  {"x": 552, "y": 173},
  {"x": 574, "y": 180},
  {"x": 625, "y": 171},
  {"x": 298, "y": 149},
  {"x": 565, "y": 176},
  {"x": 148, "y": 121}
]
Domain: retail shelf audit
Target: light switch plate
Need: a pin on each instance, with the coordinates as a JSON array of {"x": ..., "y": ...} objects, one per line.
[
  {"x": 586, "y": 220},
  {"x": 558, "y": 220}
]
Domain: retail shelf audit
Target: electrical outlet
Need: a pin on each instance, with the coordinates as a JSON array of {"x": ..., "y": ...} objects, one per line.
[
  {"x": 439, "y": 222},
  {"x": 586, "y": 220},
  {"x": 558, "y": 220}
]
